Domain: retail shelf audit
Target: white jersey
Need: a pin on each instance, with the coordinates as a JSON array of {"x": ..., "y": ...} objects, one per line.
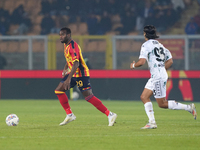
[{"x": 156, "y": 55}]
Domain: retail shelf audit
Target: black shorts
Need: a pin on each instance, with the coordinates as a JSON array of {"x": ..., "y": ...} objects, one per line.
[{"x": 83, "y": 83}]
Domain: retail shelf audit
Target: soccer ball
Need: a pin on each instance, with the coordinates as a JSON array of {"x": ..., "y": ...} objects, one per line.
[
  {"x": 75, "y": 95},
  {"x": 12, "y": 120}
]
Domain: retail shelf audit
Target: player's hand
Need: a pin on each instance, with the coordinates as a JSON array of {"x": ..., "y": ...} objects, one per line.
[
  {"x": 66, "y": 84},
  {"x": 132, "y": 65},
  {"x": 64, "y": 73}
]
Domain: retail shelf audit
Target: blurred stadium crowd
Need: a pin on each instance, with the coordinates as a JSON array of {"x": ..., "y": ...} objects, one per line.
[{"x": 93, "y": 17}]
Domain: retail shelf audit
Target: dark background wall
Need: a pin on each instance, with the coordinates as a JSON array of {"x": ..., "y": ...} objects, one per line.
[{"x": 103, "y": 88}]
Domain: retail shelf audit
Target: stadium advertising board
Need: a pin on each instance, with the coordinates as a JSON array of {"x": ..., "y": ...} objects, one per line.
[
  {"x": 106, "y": 84},
  {"x": 176, "y": 47}
]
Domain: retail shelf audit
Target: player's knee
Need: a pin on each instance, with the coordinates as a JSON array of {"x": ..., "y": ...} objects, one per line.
[
  {"x": 87, "y": 98},
  {"x": 87, "y": 93},
  {"x": 162, "y": 105},
  {"x": 142, "y": 97},
  {"x": 162, "y": 102}
]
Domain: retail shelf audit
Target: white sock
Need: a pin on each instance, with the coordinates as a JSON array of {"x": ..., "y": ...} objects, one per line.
[
  {"x": 149, "y": 111},
  {"x": 178, "y": 106},
  {"x": 70, "y": 114},
  {"x": 110, "y": 114}
]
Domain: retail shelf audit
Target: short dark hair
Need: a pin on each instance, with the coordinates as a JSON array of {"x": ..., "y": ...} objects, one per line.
[
  {"x": 68, "y": 31},
  {"x": 150, "y": 31}
]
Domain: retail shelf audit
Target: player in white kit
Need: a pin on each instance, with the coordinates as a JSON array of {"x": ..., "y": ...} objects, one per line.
[{"x": 159, "y": 60}]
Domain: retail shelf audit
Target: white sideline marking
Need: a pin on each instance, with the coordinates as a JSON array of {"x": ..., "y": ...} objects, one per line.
[{"x": 33, "y": 137}]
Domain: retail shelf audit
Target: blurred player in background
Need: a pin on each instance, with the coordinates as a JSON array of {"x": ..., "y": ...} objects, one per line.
[
  {"x": 77, "y": 73},
  {"x": 159, "y": 59}
]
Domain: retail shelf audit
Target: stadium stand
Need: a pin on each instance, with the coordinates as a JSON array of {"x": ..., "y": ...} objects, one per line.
[
  {"x": 78, "y": 25},
  {"x": 191, "y": 10},
  {"x": 35, "y": 9},
  {"x": 83, "y": 28},
  {"x": 23, "y": 47},
  {"x": 101, "y": 46}
]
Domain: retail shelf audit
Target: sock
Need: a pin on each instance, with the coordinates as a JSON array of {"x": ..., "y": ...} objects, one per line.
[
  {"x": 178, "y": 106},
  {"x": 64, "y": 101},
  {"x": 149, "y": 111},
  {"x": 98, "y": 104}
]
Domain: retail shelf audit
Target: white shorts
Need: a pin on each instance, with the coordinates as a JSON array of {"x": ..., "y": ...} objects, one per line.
[{"x": 157, "y": 86}]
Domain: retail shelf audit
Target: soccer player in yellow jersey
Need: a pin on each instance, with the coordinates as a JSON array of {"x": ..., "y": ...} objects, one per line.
[{"x": 76, "y": 72}]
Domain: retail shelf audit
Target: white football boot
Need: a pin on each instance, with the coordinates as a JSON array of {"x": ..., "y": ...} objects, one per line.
[
  {"x": 150, "y": 126},
  {"x": 69, "y": 118},
  {"x": 193, "y": 111},
  {"x": 111, "y": 119}
]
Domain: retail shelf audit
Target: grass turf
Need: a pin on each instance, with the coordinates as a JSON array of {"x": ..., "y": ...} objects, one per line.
[{"x": 39, "y": 128}]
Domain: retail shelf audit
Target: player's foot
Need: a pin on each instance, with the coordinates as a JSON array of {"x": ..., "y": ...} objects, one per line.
[
  {"x": 69, "y": 118},
  {"x": 150, "y": 126},
  {"x": 193, "y": 110},
  {"x": 111, "y": 118}
]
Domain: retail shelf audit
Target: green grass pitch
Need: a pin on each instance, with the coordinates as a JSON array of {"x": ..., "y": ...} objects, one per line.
[{"x": 39, "y": 128}]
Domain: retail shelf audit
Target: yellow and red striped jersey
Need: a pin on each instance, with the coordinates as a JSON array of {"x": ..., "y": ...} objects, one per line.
[{"x": 72, "y": 53}]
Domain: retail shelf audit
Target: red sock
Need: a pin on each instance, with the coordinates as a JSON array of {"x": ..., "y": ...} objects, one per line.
[
  {"x": 64, "y": 101},
  {"x": 98, "y": 104}
]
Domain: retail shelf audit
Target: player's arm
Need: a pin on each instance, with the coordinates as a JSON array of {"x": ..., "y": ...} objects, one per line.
[
  {"x": 140, "y": 62},
  {"x": 68, "y": 80},
  {"x": 168, "y": 58},
  {"x": 168, "y": 63}
]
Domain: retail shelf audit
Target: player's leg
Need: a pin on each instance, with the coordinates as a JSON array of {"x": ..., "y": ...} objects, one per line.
[
  {"x": 89, "y": 97},
  {"x": 85, "y": 87},
  {"x": 145, "y": 97},
  {"x": 160, "y": 94},
  {"x": 60, "y": 92},
  {"x": 172, "y": 104}
]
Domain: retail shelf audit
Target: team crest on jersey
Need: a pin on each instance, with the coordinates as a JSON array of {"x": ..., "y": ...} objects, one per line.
[{"x": 69, "y": 59}]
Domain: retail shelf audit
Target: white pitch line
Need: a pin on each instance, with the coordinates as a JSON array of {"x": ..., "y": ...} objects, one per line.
[{"x": 32, "y": 137}]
